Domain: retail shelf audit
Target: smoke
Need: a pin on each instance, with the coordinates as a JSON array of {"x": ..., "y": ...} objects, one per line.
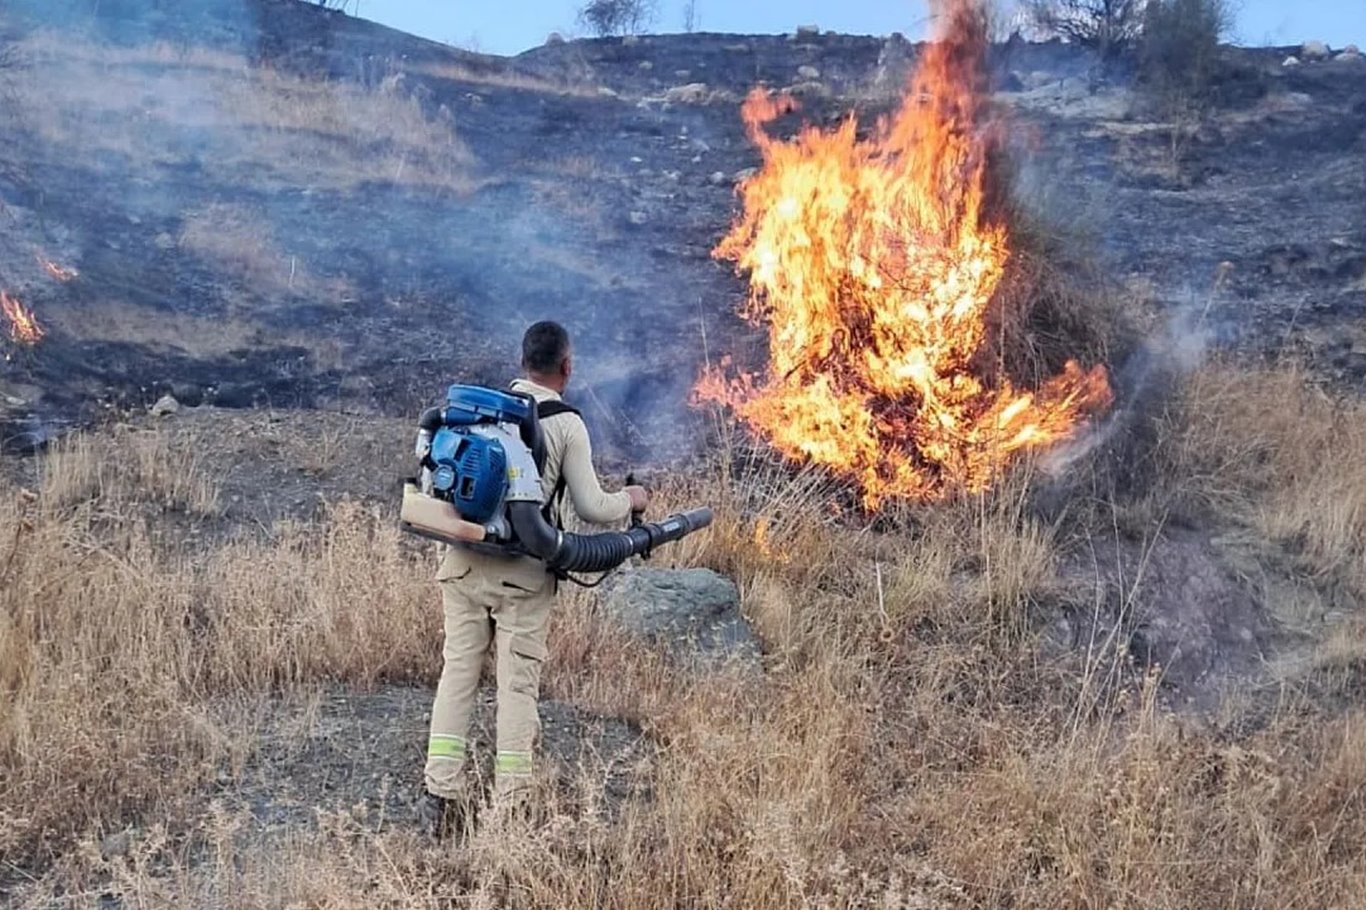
[
  {"x": 268, "y": 202},
  {"x": 1179, "y": 346}
]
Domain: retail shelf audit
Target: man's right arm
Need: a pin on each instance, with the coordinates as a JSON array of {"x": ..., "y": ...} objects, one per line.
[{"x": 591, "y": 502}]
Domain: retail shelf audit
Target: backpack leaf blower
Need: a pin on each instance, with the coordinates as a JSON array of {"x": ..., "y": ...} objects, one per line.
[{"x": 480, "y": 458}]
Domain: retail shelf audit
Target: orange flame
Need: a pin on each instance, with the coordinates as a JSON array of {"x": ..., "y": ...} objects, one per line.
[
  {"x": 23, "y": 327},
  {"x": 874, "y": 263},
  {"x": 58, "y": 272}
]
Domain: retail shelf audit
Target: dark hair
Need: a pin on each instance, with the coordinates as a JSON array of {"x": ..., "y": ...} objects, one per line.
[{"x": 544, "y": 347}]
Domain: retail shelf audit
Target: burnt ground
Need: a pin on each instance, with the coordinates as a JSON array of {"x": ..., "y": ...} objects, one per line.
[{"x": 340, "y": 750}]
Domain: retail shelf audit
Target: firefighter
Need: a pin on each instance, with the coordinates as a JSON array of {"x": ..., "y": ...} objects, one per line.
[{"x": 506, "y": 602}]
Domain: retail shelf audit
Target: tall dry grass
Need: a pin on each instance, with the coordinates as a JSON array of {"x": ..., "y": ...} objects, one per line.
[
  {"x": 125, "y": 652},
  {"x": 906, "y": 744},
  {"x": 161, "y": 106}
]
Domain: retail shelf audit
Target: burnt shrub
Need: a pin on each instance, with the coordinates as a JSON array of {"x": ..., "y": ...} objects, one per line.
[
  {"x": 618, "y": 17},
  {"x": 1110, "y": 27},
  {"x": 1178, "y": 55}
]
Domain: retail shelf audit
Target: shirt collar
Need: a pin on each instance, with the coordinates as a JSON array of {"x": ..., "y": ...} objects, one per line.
[{"x": 539, "y": 392}]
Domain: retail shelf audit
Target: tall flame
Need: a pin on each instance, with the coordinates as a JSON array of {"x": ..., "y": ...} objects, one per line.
[
  {"x": 23, "y": 326},
  {"x": 874, "y": 262}
]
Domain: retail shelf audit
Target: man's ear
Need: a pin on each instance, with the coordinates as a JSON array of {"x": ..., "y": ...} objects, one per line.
[{"x": 567, "y": 366}]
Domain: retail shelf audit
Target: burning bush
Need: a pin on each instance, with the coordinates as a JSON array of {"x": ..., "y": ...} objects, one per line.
[{"x": 877, "y": 264}]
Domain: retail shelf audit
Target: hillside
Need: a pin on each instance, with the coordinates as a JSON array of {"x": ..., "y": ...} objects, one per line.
[
  {"x": 302, "y": 208},
  {"x": 1125, "y": 673}
]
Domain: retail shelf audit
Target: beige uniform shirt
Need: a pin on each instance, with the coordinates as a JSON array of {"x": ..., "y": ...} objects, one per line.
[{"x": 568, "y": 453}]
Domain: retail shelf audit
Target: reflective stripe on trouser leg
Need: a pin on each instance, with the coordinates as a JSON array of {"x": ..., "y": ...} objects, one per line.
[
  {"x": 467, "y": 641},
  {"x": 512, "y": 764},
  {"x": 445, "y": 747},
  {"x": 519, "y": 639}
]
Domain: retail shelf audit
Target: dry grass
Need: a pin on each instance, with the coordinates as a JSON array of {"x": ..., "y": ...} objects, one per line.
[
  {"x": 498, "y": 76},
  {"x": 906, "y": 746},
  {"x": 192, "y": 107},
  {"x": 1283, "y": 456},
  {"x": 124, "y": 654},
  {"x": 239, "y": 242}
]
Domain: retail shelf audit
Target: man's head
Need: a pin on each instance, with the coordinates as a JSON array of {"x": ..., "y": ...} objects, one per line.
[{"x": 546, "y": 355}]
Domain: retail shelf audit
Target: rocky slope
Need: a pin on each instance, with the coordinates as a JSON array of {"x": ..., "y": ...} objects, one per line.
[{"x": 270, "y": 203}]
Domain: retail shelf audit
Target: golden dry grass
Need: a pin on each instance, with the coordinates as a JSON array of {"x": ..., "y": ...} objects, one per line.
[
  {"x": 164, "y": 106},
  {"x": 240, "y": 243},
  {"x": 906, "y": 746},
  {"x": 498, "y": 76}
]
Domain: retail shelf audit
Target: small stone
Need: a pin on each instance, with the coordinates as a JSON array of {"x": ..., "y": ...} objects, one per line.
[
  {"x": 637, "y": 217},
  {"x": 1315, "y": 50},
  {"x": 1291, "y": 61},
  {"x": 630, "y": 41},
  {"x": 809, "y": 90},
  {"x": 717, "y": 178},
  {"x": 1349, "y": 55},
  {"x": 116, "y": 845},
  {"x": 808, "y": 31},
  {"x": 554, "y": 39},
  {"x": 744, "y": 174},
  {"x": 692, "y": 93},
  {"x": 682, "y": 74},
  {"x": 606, "y": 92},
  {"x": 646, "y": 65},
  {"x": 808, "y": 73},
  {"x": 166, "y": 406}
]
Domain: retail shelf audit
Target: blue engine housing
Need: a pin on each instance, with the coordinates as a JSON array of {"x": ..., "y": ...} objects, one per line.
[
  {"x": 469, "y": 471},
  {"x": 468, "y": 405},
  {"x": 469, "y": 468}
]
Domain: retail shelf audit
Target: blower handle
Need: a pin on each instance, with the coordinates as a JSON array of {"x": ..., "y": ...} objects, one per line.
[{"x": 637, "y": 515}]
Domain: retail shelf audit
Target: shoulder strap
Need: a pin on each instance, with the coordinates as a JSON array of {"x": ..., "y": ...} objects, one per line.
[
  {"x": 544, "y": 410},
  {"x": 552, "y": 407}
]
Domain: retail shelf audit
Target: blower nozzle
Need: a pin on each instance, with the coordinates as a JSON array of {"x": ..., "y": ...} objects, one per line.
[{"x": 567, "y": 552}]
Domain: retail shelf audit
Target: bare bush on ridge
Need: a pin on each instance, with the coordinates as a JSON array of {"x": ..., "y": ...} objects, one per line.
[
  {"x": 618, "y": 17},
  {"x": 1109, "y": 26}
]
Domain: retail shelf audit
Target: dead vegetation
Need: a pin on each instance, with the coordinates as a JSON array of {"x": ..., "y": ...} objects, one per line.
[
  {"x": 239, "y": 242},
  {"x": 908, "y": 744},
  {"x": 229, "y": 116}
]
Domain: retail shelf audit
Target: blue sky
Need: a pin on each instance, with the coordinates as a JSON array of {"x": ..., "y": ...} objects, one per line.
[{"x": 515, "y": 25}]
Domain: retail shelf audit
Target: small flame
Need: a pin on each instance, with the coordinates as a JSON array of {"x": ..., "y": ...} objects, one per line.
[
  {"x": 23, "y": 326},
  {"x": 58, "y": 272},
  {"x": 874, "y": 263}
]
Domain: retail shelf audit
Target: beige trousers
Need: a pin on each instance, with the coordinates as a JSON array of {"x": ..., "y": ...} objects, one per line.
[{"x": 489, "y": 601}]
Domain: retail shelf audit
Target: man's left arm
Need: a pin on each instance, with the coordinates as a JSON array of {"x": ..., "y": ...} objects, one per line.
[{"x": 591, "y": 502}]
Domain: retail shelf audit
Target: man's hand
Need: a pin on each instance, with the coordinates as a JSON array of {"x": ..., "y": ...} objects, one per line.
[{"x": 640, "y": 498}]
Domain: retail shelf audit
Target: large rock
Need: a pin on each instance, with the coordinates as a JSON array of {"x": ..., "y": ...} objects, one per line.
[
  {"x": 1314, "y": 50},
  {"x": 692, "y": 612},
  {"x": 166, "y": 406}
]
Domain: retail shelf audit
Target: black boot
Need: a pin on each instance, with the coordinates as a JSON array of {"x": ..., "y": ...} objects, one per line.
[{"x": 440, "y": 817}]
